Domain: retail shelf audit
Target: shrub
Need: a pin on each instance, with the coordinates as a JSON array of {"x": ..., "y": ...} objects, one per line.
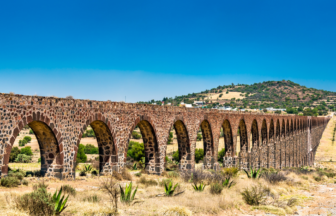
[
  {"x": 138, "y": 174},
  {"x": 68, "y": 189},
  {"x": 25, "y": 182},
  {"x": 254, "y": 196},
  {"x": 317, "y": 178},
  {"x": 216, "y": 188},
  {"x": 22, "y": 158},
  {"x": 81, "y": 157},
  {"x": 126, "y": 175},
  {"x": 10, "y": 181},
  {"x": 136, "y": 150},
  {"x": 199, "y": 154},
  {"x": 199, "y": 137},
  {"x": 221, "y": 154},
  {"x": 147, "y": 182},
  {"x": 91, "y": 149},
  {"x": 18, "y": 174},
  {"x": 176, "y": 156},
  {"x": 38, "y": 202},
  {"x": 170, "y": 138},
  {"x": 274, "y": 178},
  {"x": 89, "y": 133},
  {"x": 31, "y": 131},
  {"x": 27, "y": 138},
  {"x": 136, "y": 135},
  {"x": 82, "y": 173},
  {"x": 22, "y": 142},
  {"x": 27, "y": 151},
  {"x": 14, "y": 153},
  {"x": 39, "y": 160},
  {"x": 94, "y": 172},
  {"x": 230, "y": 171}
]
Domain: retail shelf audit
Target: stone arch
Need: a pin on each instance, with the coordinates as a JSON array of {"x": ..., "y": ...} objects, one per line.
[
  {"x": 108, "y": 150},
  {"x": 185, "y": 159},
  {"x": 256, "y": 152},
  {"x": 49, "y": 140},
  {"x": 277, "y": 130},
  {"x": 152, "y": 154},
  {"x": 255, "y": 133},
  {"x": 229, "y": 148},
  {"x": 207, "y": 138},
  {"x": 271, "y": 131},
  {"x": 264, "y": 133},
  {"x": 283, "y": 128},
  {"x": 244, "y": 161}
]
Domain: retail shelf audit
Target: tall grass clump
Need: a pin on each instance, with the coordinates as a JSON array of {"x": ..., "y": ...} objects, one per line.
[{"x": 254, "y": 195}]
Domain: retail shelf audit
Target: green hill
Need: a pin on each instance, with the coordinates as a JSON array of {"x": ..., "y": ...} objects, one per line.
[{"x": 277, "y": 94}]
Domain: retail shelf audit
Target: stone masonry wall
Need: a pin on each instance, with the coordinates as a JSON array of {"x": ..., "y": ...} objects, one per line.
[{"x": 60, "y": 123}]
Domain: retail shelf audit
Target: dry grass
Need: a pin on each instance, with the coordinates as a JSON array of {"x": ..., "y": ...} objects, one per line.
[{"x": 327, "y": 150}]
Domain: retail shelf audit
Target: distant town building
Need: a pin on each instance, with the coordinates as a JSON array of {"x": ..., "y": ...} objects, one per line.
[
  {"x": 272, "y": 109},
  {"x": 199, "y": 103}
]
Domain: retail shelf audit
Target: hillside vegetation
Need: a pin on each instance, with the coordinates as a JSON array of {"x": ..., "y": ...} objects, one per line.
[{"x": 285, "y": 94}]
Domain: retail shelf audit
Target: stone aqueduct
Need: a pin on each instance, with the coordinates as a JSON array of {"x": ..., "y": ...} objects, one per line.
[{"x": 265, "y": 140}]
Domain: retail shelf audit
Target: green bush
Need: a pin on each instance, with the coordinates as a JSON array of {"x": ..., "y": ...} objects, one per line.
[
  {"x": 38, "y": 202},
  {"x": 81, "y": 157},
  {"x": 22, "y": 158},
  {"x": 170, "y": 138},
  {"x": 230, "y": 171},
  {"x": 26, "y": 151},
  {"x": 176, "y": 156},
  {"x": 221, "y": 154},
  {"x": 14, "y": 153},
  {"x": 91, "y": 149},
  {"x": 136, "y": 135},
  {"x": 136, "y": 150},
  {"x": 39, "y": 160},
  {"x": 27, "y": 138},
  {"x": 10, "y": 181},
  {"x": 89, "y": 133},
  {"x": 199, "y": 137},
  {"x": 31, "y": 131},
  {"x": 199, "y": 155},
  {"x": 22, "y": 142}
]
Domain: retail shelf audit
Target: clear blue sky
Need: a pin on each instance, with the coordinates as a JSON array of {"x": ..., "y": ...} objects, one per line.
[{"x": 146, "y": 50}]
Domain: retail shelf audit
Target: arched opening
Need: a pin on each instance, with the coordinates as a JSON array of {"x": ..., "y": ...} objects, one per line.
[
  {"x": 255, "y": 145},
  {"x": 143, "y": 148},
  {"x": 272, "y": 146},
  {"x": 264, "y": 142},
  {"x": 36, "y": 150},
  {"x": 283, "y": 144},
  {"x": 225, "y": 148},
  {"x": 96, "y": 147},
  {"x": 208, "y": 148},
  {"x": 277, "y": 146},
  {"x": 181, "y": 153},
  {"x": 242, "y": 146}
]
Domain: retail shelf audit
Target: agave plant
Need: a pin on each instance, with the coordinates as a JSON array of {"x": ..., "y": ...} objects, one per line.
[
  {"x": 87, "y": 168},
  {"x": 253, "y": 173},
  {"x": 200, "y": 187},
  {"x": 135, "y": 166},
  {"x": 227, "y": 183},
  {"x": 126, "y": 195},
  {"x": 60, "y": 203},
  {"x": 169, "y": 190}
]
